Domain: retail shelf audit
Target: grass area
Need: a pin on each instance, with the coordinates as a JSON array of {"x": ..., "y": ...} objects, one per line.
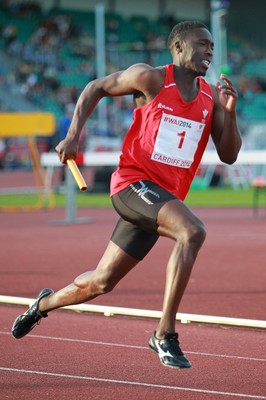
[
  {"x": 220, "y": 197},
  {"x": 212, "y": 197}
]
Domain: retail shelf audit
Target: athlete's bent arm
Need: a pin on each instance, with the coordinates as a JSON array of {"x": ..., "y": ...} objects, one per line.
[
  {"x": 225, "y": 132},
  {"x": 140, "y": 78}
]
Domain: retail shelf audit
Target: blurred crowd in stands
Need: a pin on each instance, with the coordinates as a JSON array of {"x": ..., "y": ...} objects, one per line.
[{"x": 50, "y": 57}]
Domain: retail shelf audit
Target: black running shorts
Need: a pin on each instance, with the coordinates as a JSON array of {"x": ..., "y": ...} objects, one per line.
[{"x": 138, "y": 206}]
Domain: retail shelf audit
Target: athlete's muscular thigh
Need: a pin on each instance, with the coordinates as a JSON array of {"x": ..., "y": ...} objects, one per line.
[{"x": 176, "y": 219}]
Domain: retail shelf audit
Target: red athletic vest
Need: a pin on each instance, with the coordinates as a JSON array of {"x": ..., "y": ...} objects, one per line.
[{"x": 166, "y": 140}]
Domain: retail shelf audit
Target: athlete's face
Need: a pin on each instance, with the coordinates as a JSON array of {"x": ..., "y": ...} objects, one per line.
[{"x": 196, "y": 51}]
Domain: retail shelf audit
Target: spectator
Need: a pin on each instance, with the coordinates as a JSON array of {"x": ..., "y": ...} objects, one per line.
[{"x": 63, "y": 129}]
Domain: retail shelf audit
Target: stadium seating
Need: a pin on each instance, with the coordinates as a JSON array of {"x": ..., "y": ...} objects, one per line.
[{"x": 127, "y": 42}]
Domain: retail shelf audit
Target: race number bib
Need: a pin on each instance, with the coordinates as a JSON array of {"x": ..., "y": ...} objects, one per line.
[{"x": 177, "y": 141}]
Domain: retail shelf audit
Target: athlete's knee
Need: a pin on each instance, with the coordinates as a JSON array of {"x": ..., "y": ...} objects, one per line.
[
  {"x": 104, "y": 285},
  {"x": 195, "y": 233}
]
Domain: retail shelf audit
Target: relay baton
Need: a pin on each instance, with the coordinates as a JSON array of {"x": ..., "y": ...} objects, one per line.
[{"x": 77, "y": 174}]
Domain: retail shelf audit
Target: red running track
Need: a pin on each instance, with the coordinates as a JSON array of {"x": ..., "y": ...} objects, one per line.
[
  {"x": 229, "y": 277},
  {"x": 85, "y": 356},
  {"x": 73, "y": 356}
]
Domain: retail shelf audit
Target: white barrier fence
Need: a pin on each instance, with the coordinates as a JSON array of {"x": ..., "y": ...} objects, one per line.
[
  {"x": 210, "y": 157},
  {"x": 250, "y": 163}
]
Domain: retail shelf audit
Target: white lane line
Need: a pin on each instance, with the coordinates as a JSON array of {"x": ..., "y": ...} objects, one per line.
[
  {"x": 227, "y": 356},
  {"x": 142, "y": 384},
  {"x": 135, "y": 347}
]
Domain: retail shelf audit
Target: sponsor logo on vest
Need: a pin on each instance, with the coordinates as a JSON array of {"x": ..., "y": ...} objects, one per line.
[{"x": 160, "y": 105}]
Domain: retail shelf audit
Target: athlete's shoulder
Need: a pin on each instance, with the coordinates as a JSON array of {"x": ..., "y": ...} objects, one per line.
[
  {"x": 142, "y": 68},
  {"x": 148, "y": 79}
]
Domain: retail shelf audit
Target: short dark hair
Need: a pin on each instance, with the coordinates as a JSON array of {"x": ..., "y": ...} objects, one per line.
[{"x": 180, "y": 31}]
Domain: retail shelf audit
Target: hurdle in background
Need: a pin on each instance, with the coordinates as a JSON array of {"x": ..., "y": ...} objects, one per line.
[
  {"x": 251, "y": 160},
  {"x": 88, "y": 159},
  {"x": 30, "y": 125},
  {"x": 259, "y": 187}
]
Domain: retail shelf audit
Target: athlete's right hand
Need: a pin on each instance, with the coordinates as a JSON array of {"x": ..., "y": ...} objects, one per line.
[{"x": 66, "y": 149}]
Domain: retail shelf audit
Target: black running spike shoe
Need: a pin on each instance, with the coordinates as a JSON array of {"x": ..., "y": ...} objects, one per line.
[
  {"x": 169, "y": 351},
  {"x": 26, "y": 322}
]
